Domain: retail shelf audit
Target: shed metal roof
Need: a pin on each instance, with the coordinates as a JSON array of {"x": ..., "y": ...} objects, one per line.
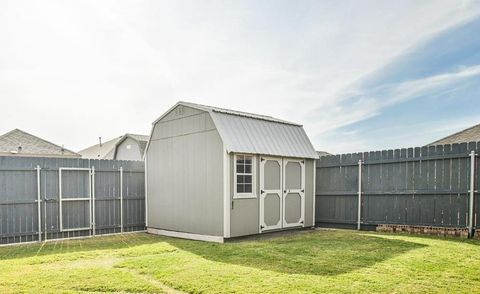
[{"x": 244, "y": 132}]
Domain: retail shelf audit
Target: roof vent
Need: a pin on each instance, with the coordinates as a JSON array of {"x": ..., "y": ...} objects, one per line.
[{"x": 19, "y": 149}]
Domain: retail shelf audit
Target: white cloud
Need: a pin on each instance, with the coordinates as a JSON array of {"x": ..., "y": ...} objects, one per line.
[
  {"x": 369, "y": 102},
  {"x": 109, "y": 67}
]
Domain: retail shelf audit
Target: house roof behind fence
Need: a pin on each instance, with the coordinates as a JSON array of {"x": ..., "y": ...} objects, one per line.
[
  {"x": 18, "y": 142},
  {"x": 471, "y": 134},
  {"x": 106, "y": 150}
]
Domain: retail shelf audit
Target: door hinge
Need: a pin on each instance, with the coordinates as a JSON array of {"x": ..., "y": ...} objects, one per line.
[
  {"x": 262, "y": 159},
  {"x": 261, "y": 191},
  {"x": 301, "y": 222},
  {"x": 303, "y": 191},
  {"x": 261, "y": 227}
]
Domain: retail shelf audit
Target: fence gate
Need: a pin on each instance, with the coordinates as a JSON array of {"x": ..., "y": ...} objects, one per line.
[{"x": 75, "y": 199}]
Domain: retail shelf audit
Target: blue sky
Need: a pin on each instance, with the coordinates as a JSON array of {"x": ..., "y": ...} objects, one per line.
[
  {"x": 437, "y": 108},
  {"x": 360, "y": 75}
]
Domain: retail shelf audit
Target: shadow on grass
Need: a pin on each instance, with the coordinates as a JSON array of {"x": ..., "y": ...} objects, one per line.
[{"x": 313, "y": 253}]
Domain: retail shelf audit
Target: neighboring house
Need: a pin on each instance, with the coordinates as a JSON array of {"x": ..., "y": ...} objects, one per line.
[
  {"x": 126, "y": 147},
  {"x": 20, "y": 143},
  {"x": 323, "y": 153},
  {"x": 214, "y": 173},
  {"x": 471, "y": 134}
]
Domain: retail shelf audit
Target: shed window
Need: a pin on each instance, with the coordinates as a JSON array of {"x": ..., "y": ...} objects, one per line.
[{"x": 244, "y": 176}]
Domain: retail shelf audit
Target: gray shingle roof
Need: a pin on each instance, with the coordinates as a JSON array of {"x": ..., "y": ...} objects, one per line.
[
  {"x": 19, "y": 142},
  {"x": 471, "y": 134},
  {"x": 97, "y": 151}
]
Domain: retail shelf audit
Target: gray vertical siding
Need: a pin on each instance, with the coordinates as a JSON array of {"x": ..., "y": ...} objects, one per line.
[
  {"x": 185, "y": 174},
  {"x": 18, "y": 195},
  {"x": 245, "y": 213},
  {"x": 415, "y": 186},
  {"x": 128, "y": 150}
]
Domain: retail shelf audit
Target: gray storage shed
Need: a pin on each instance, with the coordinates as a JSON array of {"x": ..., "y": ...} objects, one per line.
[{"x": 214, "y": 173}]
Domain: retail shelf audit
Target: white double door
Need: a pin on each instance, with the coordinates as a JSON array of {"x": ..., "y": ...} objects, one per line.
[{"x": 282, "y": 193}]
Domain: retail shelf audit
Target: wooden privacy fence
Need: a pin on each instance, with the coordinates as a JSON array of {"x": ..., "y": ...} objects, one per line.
[
  {"x": 53, "y": 198},
  {"x": 423, "y": 186}
]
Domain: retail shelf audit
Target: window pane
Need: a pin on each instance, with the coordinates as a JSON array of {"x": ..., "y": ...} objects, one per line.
[
  {"x": 240, "y": 168},
  {"x": 248, "y": 159},
  {"x": 240, "y": 159},
  {"x": 240, "y": 179},
  {"x": 247, "y": 179},
  {"x": 248, "y": 188},
  {"x": 240, "y": 188},
  {"x": 248, "y": 169}
]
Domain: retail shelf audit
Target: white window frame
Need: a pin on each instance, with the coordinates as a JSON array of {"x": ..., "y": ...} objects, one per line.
[{"x": 252, "y": 194}]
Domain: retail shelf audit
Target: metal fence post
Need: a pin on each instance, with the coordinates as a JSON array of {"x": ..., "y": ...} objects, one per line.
[
  {"x": 93, "y": 200},
  {"x": 359, "y": 194},
  {"x": 472, "y": 193},
  {"x": 39, "y": 205},
  {"x": 60, "y": 210},
  {"x": 121, "y": 199},
  {"x": 146, "y": 188}
]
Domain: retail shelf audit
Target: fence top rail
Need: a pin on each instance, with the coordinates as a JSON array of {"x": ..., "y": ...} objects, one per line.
[
  {"x": 393, "y": 192},
  {"x": 395, "y": 160},
  {"x": 75, "y": 168}
]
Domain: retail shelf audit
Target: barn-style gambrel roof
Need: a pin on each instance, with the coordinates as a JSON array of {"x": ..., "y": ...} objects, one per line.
[
  {"x": 244, "y": 132},
  {"x": 107, "y": 150}
]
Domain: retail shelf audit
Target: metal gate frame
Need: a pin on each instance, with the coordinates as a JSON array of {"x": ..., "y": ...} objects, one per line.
[{"x": 91, "y": 181}]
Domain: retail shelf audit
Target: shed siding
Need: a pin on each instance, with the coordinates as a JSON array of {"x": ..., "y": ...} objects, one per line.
[
  {"x": 185, "y": 174},
  {"x": 185, "y": 112},
  {"x": 244, "y": 214},
  {"x": 126, "y": 153}
]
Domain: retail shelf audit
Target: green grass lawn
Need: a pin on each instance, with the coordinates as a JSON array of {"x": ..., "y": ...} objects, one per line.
[{"x": 307, "y": 261}]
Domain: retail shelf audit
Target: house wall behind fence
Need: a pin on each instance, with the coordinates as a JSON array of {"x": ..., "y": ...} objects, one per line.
[
  {"x": 426, "y": 186},
  {"x": 19, "y": 206}
]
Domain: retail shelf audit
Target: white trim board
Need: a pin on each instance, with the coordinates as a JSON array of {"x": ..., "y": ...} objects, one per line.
[
  {"x": 314, "y": 189},
  {"x": 252, "y": 194},
  {"x": 226, "y": 194},
  {"x": 183, "y": 235}
]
